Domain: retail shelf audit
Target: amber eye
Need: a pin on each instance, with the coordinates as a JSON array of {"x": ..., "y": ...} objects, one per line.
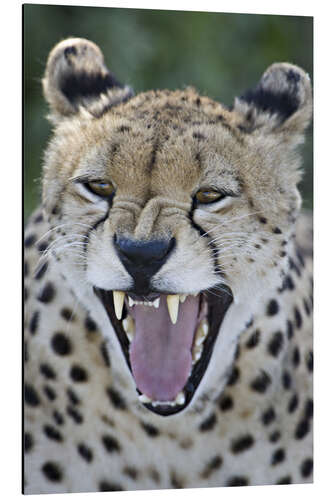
[
  {"x": 103, "y": 189},
  {"x": 205, "y": 196}
]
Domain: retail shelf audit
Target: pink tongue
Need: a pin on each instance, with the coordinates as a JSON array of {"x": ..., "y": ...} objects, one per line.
[{"x": 160, "y": 353}]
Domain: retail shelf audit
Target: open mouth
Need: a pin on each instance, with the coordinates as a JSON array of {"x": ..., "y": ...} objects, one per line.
[{"x": 167, "y": 341}]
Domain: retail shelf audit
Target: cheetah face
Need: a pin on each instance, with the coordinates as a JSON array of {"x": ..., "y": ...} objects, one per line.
[{"x": 173, "y": 211}]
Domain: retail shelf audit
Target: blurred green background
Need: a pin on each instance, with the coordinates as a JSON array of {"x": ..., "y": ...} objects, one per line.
[{"x": 220, "y": 54}]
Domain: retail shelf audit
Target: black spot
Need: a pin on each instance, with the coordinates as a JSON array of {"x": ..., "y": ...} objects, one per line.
[
  {"x": 61, "y": 344},
  {"x": 150, "y": 429},
  {"x": 214, "y": 464},
  {"x": 52, "y": 471},
  {"x": 296, "y": 357},
  {"x": 175, "y": 481},
  {"x": 85, "y": 452},
  {"x": 33, "y": 325},
  {"x": 197, "y": 135},
  {"x": 272, "y": 308},
  {"x": 59, "y": 419},
  {"x": 105, "y": 354},
  {"x": 287, "y": 284},
  {"x": 290, "y": 330},
  {"x": 116, "y": 399},
  {"x": 131, "y": 472},
  {"x": 268, "y": 416},
  {"x": 74, "y": 414},
  {"x": 275, "y": 436},
  {"x": 209, "y": 423},
  {"x": 253, "y": 341},
  {"x": 278, "y": 456},
  {"x": 293, "y": 403},
  {"x": 110, "y": 443},
  {"x": 49, "y": 392},
  {"x": 29, "y": 240},
  {"x": 123, "y": 128},
  {"x": 302, "y": 429},
  {"x": 47, "y": 371},
  {"x": 234, "y": 375},
  {"x": 277, "y": 230},
  {"x": 263, "y": 220},
  {"x": 276, "y": 344},
  {"x": 47, "y": 294},
  {"x": 107, "y": 486},
  {"x": 298, "y": 318},
  {"x": 242, "y": 443},
  {"x": 226, "y": 403},
  {"x": 261, "y": 382},
  {"x": 306, "y": 467},
  {"x": 198, "y": 101},
  {"x": 67, "y": 314},
  {"x": 306, "y": 307},
  {"x": 28, "y": 442},
  {"x": 30, "y": 396},
  {"x": 237, "y": 481},
  {"x": 42, "y": 246},
  {"x": 309, "y": 361},
  {"x": 78, "y": 374},
  {"x": 40, "y": 273},
  {"x": 72, "y": 397},
  {"x": 286, "y": 380},
  {"x": 90, "y": 324},
  {"x": 284, "y": 480},
  {"x": 52, "y": 433},
  {"x": 38, "y": 219}
]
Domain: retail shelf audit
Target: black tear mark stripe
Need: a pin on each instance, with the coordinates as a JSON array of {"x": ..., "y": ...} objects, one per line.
[
  {"x": 94, "y": 227},
  {"x": 204, "y": 234}
]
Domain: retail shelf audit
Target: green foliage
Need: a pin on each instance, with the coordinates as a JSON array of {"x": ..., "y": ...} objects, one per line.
[{"x": 219, "y": 54}]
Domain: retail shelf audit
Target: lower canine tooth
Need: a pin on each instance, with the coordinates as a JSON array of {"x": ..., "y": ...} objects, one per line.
[
  {"x": 129, "y": 327},
  {"x": 201, "y": 332},
  {"x": 173, "y": 305},
  {"x": 196, "y": 353},
  {"x": 144, "y": 399},
  {"x": 118, "y": 300},
  {"x": 180, "y": 399}
]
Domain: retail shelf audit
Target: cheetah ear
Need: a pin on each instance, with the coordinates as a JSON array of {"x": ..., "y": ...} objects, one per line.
[
  {"x": 281, "y": 102},
  {"x": 77, "y": 79}
]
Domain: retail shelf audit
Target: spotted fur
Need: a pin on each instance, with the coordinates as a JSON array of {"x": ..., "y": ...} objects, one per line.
[{"x": 250, "y": 422}]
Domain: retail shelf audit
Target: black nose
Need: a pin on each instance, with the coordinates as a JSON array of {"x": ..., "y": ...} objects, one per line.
[{"x": 142, "y": 259}]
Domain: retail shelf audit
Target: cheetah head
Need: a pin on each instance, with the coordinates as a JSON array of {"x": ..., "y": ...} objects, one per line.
[{"x": 170, "y": 214}]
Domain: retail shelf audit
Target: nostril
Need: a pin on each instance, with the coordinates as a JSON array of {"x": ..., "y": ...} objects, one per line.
[{"x": 143, "y": 252}]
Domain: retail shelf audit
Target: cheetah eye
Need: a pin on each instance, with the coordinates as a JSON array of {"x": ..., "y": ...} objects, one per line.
[
  {"x": 206, "y": 196},
  {"x": 101, "y": 188}
]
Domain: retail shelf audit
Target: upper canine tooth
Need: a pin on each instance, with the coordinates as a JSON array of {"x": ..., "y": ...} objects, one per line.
[
  {"x": 182, "y": 297},
  {"x": 156, "y": 303},
  {"x": 118, "y": 300},
  {"x": 173, "y": 305}
]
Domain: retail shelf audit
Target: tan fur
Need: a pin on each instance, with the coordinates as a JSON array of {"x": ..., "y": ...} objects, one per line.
[{"x": 158, "y": 149}]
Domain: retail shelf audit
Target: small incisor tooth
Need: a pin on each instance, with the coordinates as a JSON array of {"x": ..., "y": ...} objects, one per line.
[
  {"x": 173, "y": 305},
  {"x": 118, "y": 300},
  {"x": 182, "y": 297},
  {"x": 157, "y": 303}
]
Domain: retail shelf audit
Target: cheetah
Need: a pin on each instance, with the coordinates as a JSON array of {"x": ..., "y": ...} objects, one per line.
[{"x": 168, "y": 286}]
